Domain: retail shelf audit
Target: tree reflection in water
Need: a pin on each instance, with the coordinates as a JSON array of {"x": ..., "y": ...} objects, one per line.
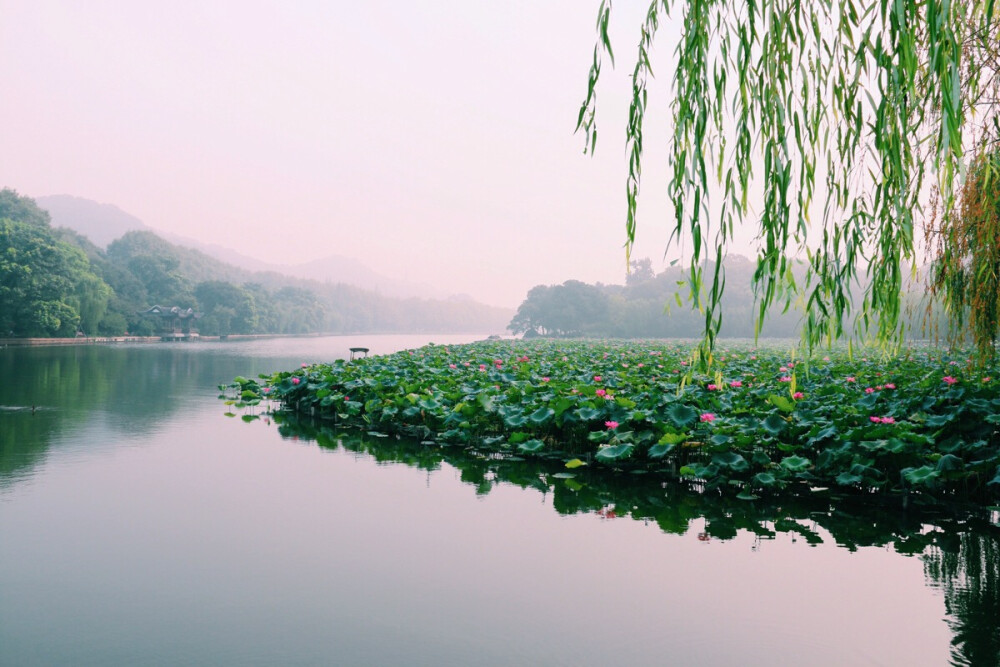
[
  {"x": 966, "y": 567},
  {"x": 960, "y": 547}
]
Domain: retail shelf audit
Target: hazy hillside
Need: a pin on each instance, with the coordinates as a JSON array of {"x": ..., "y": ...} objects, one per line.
[
  {"x": 341, "y": 307},
  {"x": 104, "y": 223},
  {"x": 101, "y": 223}
]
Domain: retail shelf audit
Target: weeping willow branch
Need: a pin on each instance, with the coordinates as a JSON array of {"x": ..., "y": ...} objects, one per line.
[{"x": 878, "y": 102}]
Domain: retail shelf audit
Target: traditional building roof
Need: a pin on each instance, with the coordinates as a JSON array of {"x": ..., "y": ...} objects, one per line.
[{"x": 171, "y": 312}]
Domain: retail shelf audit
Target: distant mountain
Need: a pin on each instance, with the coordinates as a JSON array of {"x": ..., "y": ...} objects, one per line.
[
  {"x": 340, "y": 269},
  {"x": 104, "y": 223},
  {"x": 101, "y": 223}
]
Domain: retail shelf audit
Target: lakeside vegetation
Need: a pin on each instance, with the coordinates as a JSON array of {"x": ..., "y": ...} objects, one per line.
[
  {"x": 760, "y": 422},
  {"x": 657, "y": 305},
  {"x": 55, "y": 282}
]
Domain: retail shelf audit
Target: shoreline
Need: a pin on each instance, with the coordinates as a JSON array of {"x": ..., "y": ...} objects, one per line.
[
  {"x": 113, "y": 340},
  {"x": 116, "y": 340}
]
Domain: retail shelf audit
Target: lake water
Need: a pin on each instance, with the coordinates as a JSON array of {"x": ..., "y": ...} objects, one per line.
[{"x": 141, "y": 526}]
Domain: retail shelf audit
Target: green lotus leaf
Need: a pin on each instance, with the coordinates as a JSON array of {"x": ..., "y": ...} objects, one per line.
[
  {"x": 672, "y": 438},
  {"x": 782, "y": 403},
  {"x": 530, "y": 446},
  {"x": 765, "y": 479},
  {"x": 542, "y": 415},
  {"x": 681, "y": 415},
  {"x": 613, "y": 453},
  {"x": 949, "y": 462},
  {"x": 848, "y": 479},
  {"x": 731, "y": 460},
  {"x": 659, "y": 451},
  {"x": 773, "y": 424},
  {"x": 923, "y": 475},
  {"x": 795, "y": 463}
]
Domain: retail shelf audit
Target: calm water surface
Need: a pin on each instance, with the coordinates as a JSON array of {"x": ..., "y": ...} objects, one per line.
[{"x": 140, "y": 526}]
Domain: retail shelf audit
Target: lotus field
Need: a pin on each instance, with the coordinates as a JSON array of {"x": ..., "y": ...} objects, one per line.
[{"x": 758, "y": 422}]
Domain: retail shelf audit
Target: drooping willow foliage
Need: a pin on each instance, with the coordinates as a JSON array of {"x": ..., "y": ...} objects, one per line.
[
  {"x": 966, "y": 246},
  {"x": 824, "y": 125}
]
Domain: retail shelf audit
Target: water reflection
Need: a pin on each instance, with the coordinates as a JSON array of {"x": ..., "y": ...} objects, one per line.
[
  {"x": 966, "y": 566},
  {"x": 960, "y": 547},
  {"x": 50, "y": 394}
]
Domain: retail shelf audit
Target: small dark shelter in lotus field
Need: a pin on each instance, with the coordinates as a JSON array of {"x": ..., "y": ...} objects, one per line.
[{"x": 174, "y": 322}]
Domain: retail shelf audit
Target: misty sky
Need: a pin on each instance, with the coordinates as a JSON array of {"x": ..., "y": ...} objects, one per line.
[{"x": 433, "y": 141}]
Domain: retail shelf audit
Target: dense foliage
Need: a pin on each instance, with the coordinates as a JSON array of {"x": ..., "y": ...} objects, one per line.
[
  {"x": 54, "y": 282},
  {"x": 966, "y": 244},
  {"x": 47, "y": 286},
  {"x": 650, "y": 305},
  {"x": 761, "y": 422},
  {"x": 868, "y": 102},
  {"x": 647, "y": 306}
]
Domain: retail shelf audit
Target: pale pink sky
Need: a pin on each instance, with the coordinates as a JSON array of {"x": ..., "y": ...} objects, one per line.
[{"x": 433, "y": 141}]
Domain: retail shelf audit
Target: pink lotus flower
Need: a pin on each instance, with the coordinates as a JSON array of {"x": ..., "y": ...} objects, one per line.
[
  {"x": 947, "y": 379},
  {"x": 296, "y": 380},
  {"x": 545, "y": 379},
  {"x": 267, "y": 390},
  {"x": 826, "y": 358},
  {"x": 890, "y": 385},
  {"x": 735, "y": 384},
  {"x": 640, "y": 365},
  {"x": 784, "y": 379},
  {"x": 783, "y": 369},
  {"x": 869, "y": 390},
  {"x": 875, "y": 420},
  {"x": 465, "y": 363},
  {"x": 797, "y": 395},
  {"x": 707, "y": 417},
  {"x": 888, "y": 420},
  {"x": 684, "y": 363},
  {"x": 305, "y": 365},
  {"x": 611, "y": 424},
  {"x": 880, "y": 387},
  {"x": 850, "y": 378},
  {"x": 452, "y": 366},
  {"x": 597, "y": 378},
  {"x": 600, "y": 392},
  {"x": 713, "y": 387},
  {"x": 987, "y": 379}
]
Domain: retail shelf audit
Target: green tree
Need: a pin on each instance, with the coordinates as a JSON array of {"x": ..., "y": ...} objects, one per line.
[
  {"x": 640, "y": 271},
  {"x": 46, "y": 286},
  {"x": 867, "y": 104},
  {"x": 571, "y": 309},
  {"x": 227, "y": 307},
  {"x": 967, "y": 257},
  {"x": 22, "y": 209}
]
